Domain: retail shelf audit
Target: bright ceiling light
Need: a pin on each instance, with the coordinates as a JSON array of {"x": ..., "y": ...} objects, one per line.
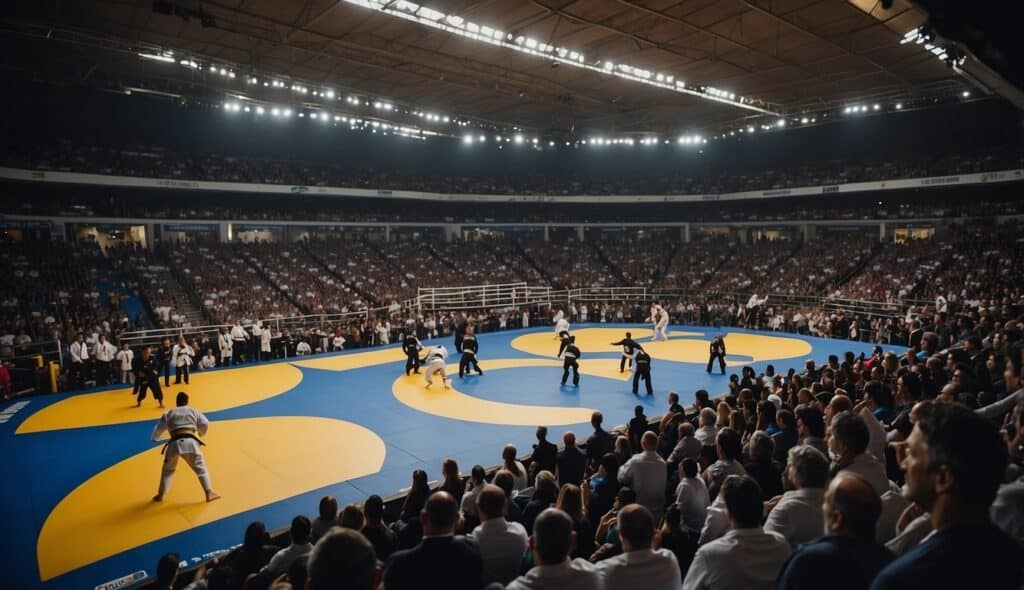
[{"x": 519, "y": 139}]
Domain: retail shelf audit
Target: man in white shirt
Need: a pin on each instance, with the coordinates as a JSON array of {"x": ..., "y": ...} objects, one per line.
[
  {"x": 848, "y": 442},
  {"x": 747, "y": 557},
  {"x": 639, "y": 565},
  {"x": 501, "y": 543},
  {"x": 104, "y": 353},
  {"x": 646, "y": 473},
  {"x": 300, "y": 545},
  {"x": 265, "y": 337},
  {"x": 257, "y": 338},
  {"x": 552, "y": 541},
  {"x": 797, "y": 513},
  {"x": 238, "y": 339},
  {"x": 182, "y": 354},
  {"x": 79, "y": 351},
  {"x": 691, "y": 497},
  {"x": 303, "y": 348},
  {"x": 208, "y": 361},
  {"x": 707, "y": 432},
  {"x": 125, "y": 356}
]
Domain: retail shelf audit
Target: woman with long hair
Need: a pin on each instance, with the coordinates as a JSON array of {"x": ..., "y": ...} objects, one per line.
[
  {"x": 417, "y": 496},
  {"x": 508, "y": 459},
  {"x": 452, "y": 480},
  {"x": 623, "y": 449},
  {"x": 570, "y": 500}
]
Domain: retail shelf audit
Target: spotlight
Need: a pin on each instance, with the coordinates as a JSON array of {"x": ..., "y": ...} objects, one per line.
[
  {"x": 965, "y": 93},
  {"x": 259, "y": 110},
  {"x": 780, "y": 123},
  {"x": 899, "y": 106},
  {"x": 804, "y": 120},
  {"x": 876, "y": 107},
  {"x": 519, "y": 139},
  {"x": 467, "y": 139},
  {"x": 482, "y": 138}
]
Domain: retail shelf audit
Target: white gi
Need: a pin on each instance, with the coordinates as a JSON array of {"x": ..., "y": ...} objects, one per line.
[
  {"x": 224, "y": 342},
  {"x": 435, "y": 363},
  {"x": 184, "y": 424},
  {"x": 265, "y": 342},
  {"x": 558, "y": 320},
  {"x": 125, "y": 357},
  {"x": 660, "y": 318},
  {"x": 562, "y": 325},
  {"x": 208, "y": 362}
]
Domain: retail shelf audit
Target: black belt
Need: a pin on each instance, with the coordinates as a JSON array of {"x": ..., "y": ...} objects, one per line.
[{"x": 180, "y": 436}]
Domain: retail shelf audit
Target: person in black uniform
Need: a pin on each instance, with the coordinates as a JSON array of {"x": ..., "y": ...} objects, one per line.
[
  {"x": 643, "y": 371},
  {"x": 147, "y": 376},
  {"x": 717, "y": 350},
  {"x": 411, "y": 347},
  {"x": 572, "y": 354},
  {"x": 163, "y": 359},
  {"x": 566, "y": 339},
  {"x": 460, "y": 332},
  {"x": 629, "y": 348},
  {"x": 469, "y": 349}
]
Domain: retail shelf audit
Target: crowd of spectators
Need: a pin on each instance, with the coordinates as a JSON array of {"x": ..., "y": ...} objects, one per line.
[
  {"x": 888, "y": 471},
  {"x": 158, "y": 162}
]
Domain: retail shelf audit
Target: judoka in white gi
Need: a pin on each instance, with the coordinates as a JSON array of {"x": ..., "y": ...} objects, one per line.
[
  {"x": 434, "y": 363},
  {"x": 185, "y": 426},
  {"x": 659, "y": 317}
]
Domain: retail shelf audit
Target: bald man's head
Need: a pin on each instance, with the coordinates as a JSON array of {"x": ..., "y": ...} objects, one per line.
[
  {"x": 440, "y": 514},
  {"x": 342, "y": 558},
  {"x": 552, "y": 537},
  {"x": 636, "y": 527},
  {"x": 649, "y": 441},
  {"x": 851, "y": 507}
]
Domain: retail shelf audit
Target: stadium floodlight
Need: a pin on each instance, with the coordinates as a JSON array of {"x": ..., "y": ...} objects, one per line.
[
  {"x": 519, "y": 139},
  {"x": 467, "y": 139},
  {"x": 324, "y": 117},
  {"x": 482, "y": 138},
  {"x": 876, "y": 106},
  {"x": 899, "y": 106},
  {"x": 330, "y": 94},
  {"x": 287, "y": 112},
  {"x": 965, "y": 93},
  {"x": 535, "y": 141},
  {"x": 750, "y": 129},
  {"x": 259, "y": 110},
  {"x": 551, "y": 144},
  {"x": 246, "y": 109},
  {"x": 276, "y": 112},
  {"x": 780, "y": 123},
  {"x": 157, "y": 57},
  {"x": 846, "y": 111},
  {"x": 804, "y": 120}
]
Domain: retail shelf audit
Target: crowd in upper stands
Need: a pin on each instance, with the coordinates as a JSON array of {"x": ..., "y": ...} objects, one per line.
[
  {"x": 893, "y": 470},
  {"x": 158, "y": 162}
]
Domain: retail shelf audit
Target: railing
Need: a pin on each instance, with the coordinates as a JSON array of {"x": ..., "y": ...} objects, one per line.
[{"x": 504, "y": 295}]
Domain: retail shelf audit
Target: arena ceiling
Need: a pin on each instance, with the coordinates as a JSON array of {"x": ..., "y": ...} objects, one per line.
[{"x": 786, "y": 56}]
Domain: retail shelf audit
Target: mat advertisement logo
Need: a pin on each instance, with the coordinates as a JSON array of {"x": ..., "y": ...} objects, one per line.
[{"x": 123, "y": 581}]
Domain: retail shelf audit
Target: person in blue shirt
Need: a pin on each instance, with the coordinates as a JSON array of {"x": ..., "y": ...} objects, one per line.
[
  {"x": 847, "y": 557},
  {"x": 954, "y": 464}
]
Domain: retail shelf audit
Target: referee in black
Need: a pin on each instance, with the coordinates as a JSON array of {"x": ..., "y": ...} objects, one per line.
[
  {"x": 717, "y": 351},
  {"x": 411, "y": 347},
  {"x": 571, "y": 355},
  {"x": 643, "y": 371}
]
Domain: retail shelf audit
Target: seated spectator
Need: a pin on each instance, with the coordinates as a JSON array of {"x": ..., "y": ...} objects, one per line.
[
  {"x": 501, "y": 543},
  {"x": 327, "y": 518},
  {"x": 408, "y": 527},
  {"x": 552, "y": 541},
  {"x": 300, "y": 545},
  {"x": 796, "y": 515},
  {"x": 729, "y": 451},
  {"x": 440, "y": 555},
  {"x": 762, "y": 466},
  {"x": 515, "y": 467},
  {"x": 504, "y": 480},
  {"x": 810, "y": 426},
  {"x": 342, "y": 559},
  {"x": 646, "y": 474},
  {"x": 692, "y": 498},
  {"x": 787, "y": 436},
  {"x": 682, "y": 543},
  {"x": 383, "y": 539},
  {"x": 545, "y": 493},
  {"x": 600, "y": 489},
  {"x": 254, "y": 553},
  {"x": 452, "y": 479},
  {"x": 639, "y": 565},
  {"x": 167, "y": 572},
  {"x": 847, "y": 557},
  {"x": 687, "y": 446},
  {"x": 474, "y": 485},
  {"x": 351, "y": 517},
  {"x": 747, "y": 557},
  {"x": 848, "y": 442},
  {"x": 954, "y": 464},
  {"x": 570, "y": 501},
  {"x": 707, "y": 432}
]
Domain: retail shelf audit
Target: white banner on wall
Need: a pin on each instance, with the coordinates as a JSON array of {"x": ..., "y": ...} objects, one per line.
[{"x": 243, "y": 187}]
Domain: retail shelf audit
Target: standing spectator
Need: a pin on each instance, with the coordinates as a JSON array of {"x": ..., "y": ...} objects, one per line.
[
  {"x": 164, "y": 358},
  {"x": 847, "y": 557},
  {"x": 848, "y": 442},
  {"x": 342, "y": 559},
  {"x": 382, "y": 538},
  {"x": 79, "y": 351},
  {"x": 327, "y": 517},
  {"x": 545, "y": 454},
  {"x": 183, "y": 355},
  {"x": 124, "y": 359},
  {"x": 572, "y": 463},
  {"x": 747, "y": 557},
  {"x": 224, "y": 345},
  {"x": 501, "y": 543},
  {"x": 552, "y": 541},
  {"x": 104, "y": 353},
  {"x": 238, "y": 339},
  {"x": 600, "y": 442},
  {"x": 300, "y": 545},
  {"x": 639, "y": 565},
  {"x": 646, "y": 474},
  {"x": 515, "y": 467},
  {"x": 637, "y": 427},
  {"x": 954, "y": 464},
  {"x": 441, "y": 555},
  {"x": 796, "y": 515}
]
